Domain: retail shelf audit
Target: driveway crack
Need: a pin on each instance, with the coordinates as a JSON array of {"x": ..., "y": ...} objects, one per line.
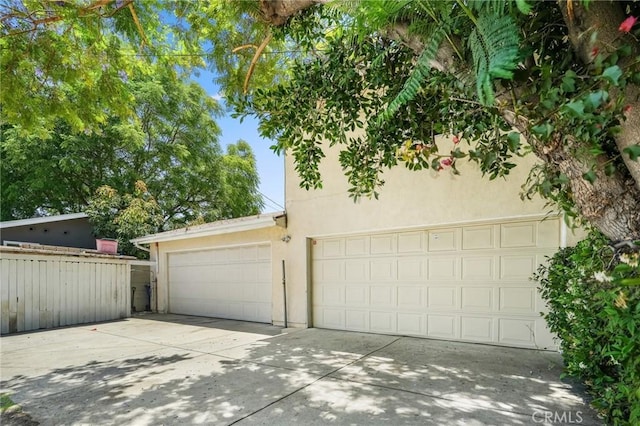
[{"x": 324, "y": 376}]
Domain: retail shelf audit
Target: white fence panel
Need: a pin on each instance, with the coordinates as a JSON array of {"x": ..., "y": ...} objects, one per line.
[{"x": 41, "y": 289}]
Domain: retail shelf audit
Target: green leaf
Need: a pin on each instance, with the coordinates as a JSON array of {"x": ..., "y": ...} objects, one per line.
[
  {"x": 595, "y": 99},
  {"x": 576, "y": 108},
  {"x": 609, "y": 169},
  {"x": 633, "y": 152},
  {"x": 418, "y": 75},
  {"x": 613, "y": 74},
  {"x": 590, "y": 176},
  {"x": 513, "y": 139},
  {"x": 494, "y": 45},
  {"x": 542, "y": 130},
  {"x": 523, "y": 7},
  {"x": 569, "y": 82}
]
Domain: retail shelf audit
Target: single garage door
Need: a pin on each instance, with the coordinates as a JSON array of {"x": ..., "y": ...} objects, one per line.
[
  {"x": 466, "y": 283},
  {"x": 230, "y": 282}
]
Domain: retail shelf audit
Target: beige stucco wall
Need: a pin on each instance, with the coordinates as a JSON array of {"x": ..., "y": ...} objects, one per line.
[
  {"x": 409, "y": 199},
  {"x": 273, "y": 235}
]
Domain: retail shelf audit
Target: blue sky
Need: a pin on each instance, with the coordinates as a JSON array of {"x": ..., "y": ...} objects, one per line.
[{"x": 270, "y": 165}]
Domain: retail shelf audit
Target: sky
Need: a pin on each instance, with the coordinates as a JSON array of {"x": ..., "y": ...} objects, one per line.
[{"x": 270, "y": 165}]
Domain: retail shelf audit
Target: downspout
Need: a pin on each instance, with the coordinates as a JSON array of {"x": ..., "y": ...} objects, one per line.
[{"x": 154, "y": 283}]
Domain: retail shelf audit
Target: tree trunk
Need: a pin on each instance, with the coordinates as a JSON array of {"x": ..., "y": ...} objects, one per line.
[
  {"x": 278, "y": 12},
  {"x": 603, "y": 19},
  {"x": 611, "y": 203}
]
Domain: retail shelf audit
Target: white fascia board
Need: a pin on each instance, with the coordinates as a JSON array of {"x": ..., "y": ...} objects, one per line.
[
  {"x": 215, "y": 228},
  {"x": 39, "y": 220}
]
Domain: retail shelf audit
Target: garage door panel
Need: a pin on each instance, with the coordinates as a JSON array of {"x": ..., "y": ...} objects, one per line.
[
  {"x": 443, "y": 240},
  {"x": 356, "y": 295},
  {"x": 520, "y": 332},
  {"x": 518, "y": 267},
  {"x": 232, "y": 282},
  {"x": 411, "y": 323},
  {"x": 331, "y": 248},
  {"x": 478, "y": 268},
  {"x": 383, "y": 244},
  {"x": 382, "y": 322},
  {"x": 329, "y": 270},
  {"x": 383, "y": 296},
  {"x": 411, "y": 269},
  {"x": 478, "y": 237},
  {"x": 249, "y": 273},
  {"x": 476, "y": 328},
  {"x": 411, "y": 242},
  {"x": 264, "y": 292},
  {"x": 470, "y": 282},
  {"x": 331, "y": 294},
  {"x": 518, "y": 300},
  {"x": 518, "y": 235},
  {"x": 383, "y": 270},
  {"x": 443, "y": 326},
  {"x": 357, "y": 270},
  {"x": 548, "y": 231},
  {"x": 439, "y": 298},
  {"x": 357, "y": 320},
  {"x": 477, "y": 299},
  {"x": 357, "y": 246},
  {"x": 330, "y": 318},
  {"x": 411, "y": 297}
]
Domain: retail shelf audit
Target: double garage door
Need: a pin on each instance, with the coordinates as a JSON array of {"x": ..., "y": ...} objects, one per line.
[
  {"x": 230, "y": 282},
  {"x": 467, "y": 283}
]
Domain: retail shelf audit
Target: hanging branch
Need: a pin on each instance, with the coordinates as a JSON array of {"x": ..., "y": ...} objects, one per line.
[
  {"x": 254, "y": 61},
  {"x": 137, "y": 22},
  {"x": 244, "y": 46}
]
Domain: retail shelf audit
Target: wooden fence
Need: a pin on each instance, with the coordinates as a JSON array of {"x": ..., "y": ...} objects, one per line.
[{"x": 44, "y": 288}]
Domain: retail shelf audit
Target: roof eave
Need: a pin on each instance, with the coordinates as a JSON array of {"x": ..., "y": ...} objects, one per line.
[{"x": 242, "y": 224}]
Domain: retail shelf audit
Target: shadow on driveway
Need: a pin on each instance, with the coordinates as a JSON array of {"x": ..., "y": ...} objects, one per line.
[{"x": 168, "y": 369}]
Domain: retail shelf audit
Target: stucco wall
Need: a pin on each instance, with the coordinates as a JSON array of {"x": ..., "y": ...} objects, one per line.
[{"x": 409, "y": 199}]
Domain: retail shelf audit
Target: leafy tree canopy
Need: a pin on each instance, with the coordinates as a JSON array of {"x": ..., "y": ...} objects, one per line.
[
  {"x": 72, "y": 60},
  {"x": 564, "y": 75},
  {"x": 124, "y": 216},
  {"x": 498, "y": 79},
  {"x": 171, "y": 147}
]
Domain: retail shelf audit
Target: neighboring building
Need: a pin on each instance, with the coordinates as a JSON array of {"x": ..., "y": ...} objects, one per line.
[
  {"x": 66, "y": 230},
  {"x": 437, "y": 256}
]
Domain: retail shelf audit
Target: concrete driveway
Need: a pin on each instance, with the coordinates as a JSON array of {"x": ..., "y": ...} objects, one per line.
[{"x": 169, "y": 369}]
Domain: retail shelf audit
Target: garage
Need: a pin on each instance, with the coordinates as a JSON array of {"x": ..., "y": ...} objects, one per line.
[
  {"x": 465, "y": 282},
  {"x": 230, "y": 282}
]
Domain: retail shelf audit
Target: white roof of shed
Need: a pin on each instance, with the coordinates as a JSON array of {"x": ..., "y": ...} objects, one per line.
[
  {"x": 42, "y": 219},
  {"x": 240, "y": 224}
]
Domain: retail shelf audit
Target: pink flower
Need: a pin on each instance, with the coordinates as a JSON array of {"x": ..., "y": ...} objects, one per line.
[
  {"x": 456, "y": 139},
  {"x": 446, "y": 162},
  {"x": 627, "y": 24}
]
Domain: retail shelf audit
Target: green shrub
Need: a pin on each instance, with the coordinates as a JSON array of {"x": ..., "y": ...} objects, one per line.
[{"x": 593, "y": 297}]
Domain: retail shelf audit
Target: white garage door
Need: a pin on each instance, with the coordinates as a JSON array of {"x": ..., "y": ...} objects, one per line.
[
  {"x": 231, "y": 282},
  {"x": 467, "y": 283}
]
